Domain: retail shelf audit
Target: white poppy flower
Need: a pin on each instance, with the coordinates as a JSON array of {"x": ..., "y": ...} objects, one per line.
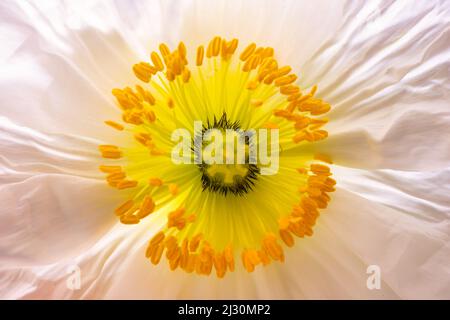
[{"x": 216, "y": 232}]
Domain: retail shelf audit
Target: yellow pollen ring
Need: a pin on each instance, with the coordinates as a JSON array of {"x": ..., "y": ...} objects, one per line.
[{"x": 252, "y": 88}]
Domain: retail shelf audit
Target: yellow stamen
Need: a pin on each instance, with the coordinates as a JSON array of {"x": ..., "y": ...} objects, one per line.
[
  {"x": 147, "y": 207},
  {"x": 156, "y": 182},
  {"x": 173, "y": 189},
  {"x": 247, "y": 52},
  {"x": 115, "y": 125},
  {"x": 143, "y": 71},
  {"x": 231, "y": 48},
  {"x": 157, "y": 62},
  {"x": 122, "y": 209},
  {"x": 109, "y": 169},
  {"x": 256, "y": 102},
  {"x": 200, "y": 53},
  {"x": 282, "y": 81},
  {"x": 125, "y": 184},
  {"x": 164, "y": 49},
  {"x": 216, "y": 42}
]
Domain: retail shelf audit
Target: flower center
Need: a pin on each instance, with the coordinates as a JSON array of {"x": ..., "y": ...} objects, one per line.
[
  {"x": 226, "y": 178},
  {"x": 213, "y": 209}
]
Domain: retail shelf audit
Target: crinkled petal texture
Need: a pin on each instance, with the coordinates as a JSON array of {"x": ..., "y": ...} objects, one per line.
[{"x": 382, "y": 65}]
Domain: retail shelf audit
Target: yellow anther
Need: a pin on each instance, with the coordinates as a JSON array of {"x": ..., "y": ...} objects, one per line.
[
  {"x": 320, "y": 135},
  {"x": 291, "y": 106},
  {"x": 281, "y": 113},
  {"x": 298, "y": 211},
  {"x": 216, "y": 44},
  {"x": 270, "y": 77},
  {"x": 156, "y": 152},
  {"x": 308, "y": 204},
  {"x": 287, "y": 237},
  {"x": 123, "y": 208},
  {"x": 115, "y": 176},
  {"x": 231, "y": 47},
  {"x": 164, "y": 49},
  {"x": 294, "y": 96},
  {"x": 125, "y": 184},
  {"x": 173, "y": 189},
  {"x": 251, "y": 63},
  {"x": 223, "y": 49},
  {"x": 150, "y": 115},
  {"x": 177, "y": 66},
  {"x": 182, "y": 49},
  {"x": 110, "y": 169},
  {"x": 147, "y": 207},
  {"x": 133, "y": 117},
  {"x": 114, "y": 125},
  {"x": 289, "y": 89},
  {"x": 273, "y": 249},
  {"x": 229, "y": 257},
  {"x": 313, "y": 90},
  {"x": 248, "y": 265},
  {"x": 143, "y": 138},
  {"x": 302, "y": 123},
  {"x": 314, "y": 192},
  {"x": 220, "y": 264},
  {"x": 267, "y": 52},
  {"x": 157, "y": 238},
  {"x": 174, "y": 215},
  {"x": 247, "y": 52},
  {"x": 283, "y": 71},
  {"x": 110, "y": 152},
  {"x": 129, "y": 219},
  {"x": 170, "y": 75},
  {"x": 117, "y": 92},
  {"x": 299, "y": 137},
  {"x": 157, "y": 62},
  {"x": 285, "y": 80},
  {"x": 195, "y": 242},
  {"x": 143, "y": 71},
  {"x": 209, "y": 49},
  {"x": 186, "y": 75},
  {"x": 324, "y": 108},
  {"x": 200, "y": 54},
  {"x": 157, "y": 254},
  {"x": 255, "y": 62},
  {"x": 156, "y": 182},
  {"x": 170, "y": 103},
  {"x": 256, "y": 102},
  {"x": 263, "y": 257}
]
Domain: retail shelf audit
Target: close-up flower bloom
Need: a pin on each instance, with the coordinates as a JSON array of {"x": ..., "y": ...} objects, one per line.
[{"x": 225, "y": 149}]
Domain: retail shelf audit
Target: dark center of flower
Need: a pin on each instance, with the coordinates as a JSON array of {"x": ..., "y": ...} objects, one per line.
[{"x": 224, "y": 178}]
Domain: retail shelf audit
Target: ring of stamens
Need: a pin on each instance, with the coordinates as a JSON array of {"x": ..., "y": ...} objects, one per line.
[{"x": 258, "y": 89}]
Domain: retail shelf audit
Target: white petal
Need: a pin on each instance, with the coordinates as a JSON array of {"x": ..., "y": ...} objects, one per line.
[
  {"x": 423, "y": 195},
  {"x": 295, "y": 29},
  {"x": 385, "y": 73},
  {"x": 50, "y": 217},
  {"x": 62, "y": 61}
]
